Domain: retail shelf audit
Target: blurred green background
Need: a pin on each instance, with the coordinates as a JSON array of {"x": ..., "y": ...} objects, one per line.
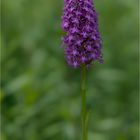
[{"x": 40, "y": 93}]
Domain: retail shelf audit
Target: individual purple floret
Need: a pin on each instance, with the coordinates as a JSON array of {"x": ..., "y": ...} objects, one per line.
[{"x": 82, "y": 41}]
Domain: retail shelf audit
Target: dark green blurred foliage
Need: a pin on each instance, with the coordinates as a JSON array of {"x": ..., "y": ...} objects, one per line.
[{"x": 40, "y": 93}]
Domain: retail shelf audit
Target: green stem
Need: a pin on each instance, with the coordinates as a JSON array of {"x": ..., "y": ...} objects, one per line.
[{"x": 84, "y": 111}]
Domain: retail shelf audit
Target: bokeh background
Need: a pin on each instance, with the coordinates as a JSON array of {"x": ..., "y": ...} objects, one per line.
[{"x": 40, "y": 93}]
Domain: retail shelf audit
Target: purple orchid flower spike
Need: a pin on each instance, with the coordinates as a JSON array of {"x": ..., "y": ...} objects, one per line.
[{"x": 80, "y": 22}]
